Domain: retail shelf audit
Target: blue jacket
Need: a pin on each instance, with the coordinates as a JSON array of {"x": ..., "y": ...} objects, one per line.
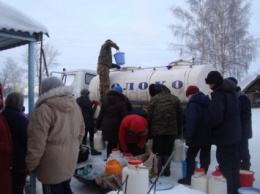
[
  {"x": 224, "y": 119},
  {"x": 197, "y": 132}
]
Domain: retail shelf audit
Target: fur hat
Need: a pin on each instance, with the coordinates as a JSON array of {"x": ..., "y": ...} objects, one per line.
[
  {"x": 118, "y": 88},
  {"x": 84, "y": 92},
  {"x": 191, "y": 90},
  {"x": 50, "y": 83},
  {"x": 233, "y": 79},
  {"x": 214, "y": 77}
]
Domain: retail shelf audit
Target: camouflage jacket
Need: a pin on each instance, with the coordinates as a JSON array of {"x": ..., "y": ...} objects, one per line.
[
  {"x": 164, "y": 115},
  {"x": 105, "y": 54}
]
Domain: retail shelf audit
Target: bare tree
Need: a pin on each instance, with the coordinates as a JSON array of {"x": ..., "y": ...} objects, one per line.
[
  {"x": 216, "y": 33},
  {"x": 12, "y": 76},
  {"x": 50, "y": 52}
]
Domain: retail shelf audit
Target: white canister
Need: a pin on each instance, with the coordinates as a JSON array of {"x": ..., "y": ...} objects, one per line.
[
  {"x": 98, "y": 165},
  {"x": 138, "y": 177},
  {"x": 179, "y": 151},
  {"x": 99, "y": 144},
  {"x": 217, "y": 183},
  {"x": 96, "y": 113},
  {"x": 117, "y": 155},
  {"x": 199, "y": 180},
  {"x": 126, "y": 158}
]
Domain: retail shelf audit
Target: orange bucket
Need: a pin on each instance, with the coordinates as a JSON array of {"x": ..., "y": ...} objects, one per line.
[{"x": 246, "y": 178}]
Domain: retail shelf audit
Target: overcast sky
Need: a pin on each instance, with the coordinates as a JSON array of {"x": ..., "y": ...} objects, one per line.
[{"x": 78, "y": 28}]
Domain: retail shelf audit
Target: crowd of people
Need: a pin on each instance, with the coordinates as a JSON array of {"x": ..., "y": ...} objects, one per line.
[{"x": 47, "y": 143}]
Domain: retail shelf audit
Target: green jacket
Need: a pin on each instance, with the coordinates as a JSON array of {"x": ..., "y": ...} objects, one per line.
[
  {"x": 164, "y": 115},
  {"x": 105, "y": 54}
]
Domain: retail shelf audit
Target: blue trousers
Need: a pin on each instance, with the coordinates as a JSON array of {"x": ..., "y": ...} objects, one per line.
[{"x": 61, "y": 188}]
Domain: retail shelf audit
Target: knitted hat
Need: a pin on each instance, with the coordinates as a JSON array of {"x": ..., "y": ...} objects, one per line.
[
  {"x": 118, "y": 88},
  {"x": 191, "y": 90},
  {"x": 154, "y": 89},
  {"x": 214, "y": 77},
  {"x": 138, "y": 125},
  {"x": 50, "y": 83},
  {"x": 233, "y": 79},
  {"x": 84, "y": 92}
]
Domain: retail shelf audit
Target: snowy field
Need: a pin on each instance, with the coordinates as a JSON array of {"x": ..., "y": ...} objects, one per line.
[{"x": 176, "y": 168}]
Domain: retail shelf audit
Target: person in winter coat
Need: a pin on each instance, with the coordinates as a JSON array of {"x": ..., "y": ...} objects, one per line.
[
  {"x": 6, "y": 156},
  {"x": 18, "y": 128},
  {"x": 246, "y": 125},
  {"x": 88, "y": 111},
  {"x": 196, "y": 134},
  {"x": 55, "y": 132},
  {"x": 224, "y": 124},
  {"x": 133, "y": 134},
  {"x": 104, "y": 64},
  {"x": 127, "y": 102},
  {"x": 165, "y": 117},
  {"x": 113, "y": 110}
]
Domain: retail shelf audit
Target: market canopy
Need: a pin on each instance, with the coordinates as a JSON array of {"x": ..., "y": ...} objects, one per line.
[{"x": 18, "y": 29}]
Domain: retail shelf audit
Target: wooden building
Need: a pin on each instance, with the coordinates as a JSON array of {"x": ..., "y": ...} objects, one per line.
[{"x": 251, "y": 87}]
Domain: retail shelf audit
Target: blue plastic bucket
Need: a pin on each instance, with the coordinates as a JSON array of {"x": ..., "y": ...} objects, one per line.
[
  {"x": 184, "y": 167},
  {"x": 248, "y": 190},
  {"x": 119, "y": 58}
]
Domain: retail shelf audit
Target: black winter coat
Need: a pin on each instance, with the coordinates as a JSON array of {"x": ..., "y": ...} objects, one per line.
[
  {"x": 113, "y": 110},
  {"x": 224, "y": 119},
  {"x": 18, "y": 127},
  {"x": 197, "y": 132},
  {"x": 245, "y": 114},
  {"x": 87, "y": 111}
]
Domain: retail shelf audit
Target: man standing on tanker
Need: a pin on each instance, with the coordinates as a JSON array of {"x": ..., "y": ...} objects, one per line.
[{"x": 104, "y": 64}]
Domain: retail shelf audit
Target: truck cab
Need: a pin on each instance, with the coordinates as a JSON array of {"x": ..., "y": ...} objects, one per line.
[{"x": 78, "y": 79}]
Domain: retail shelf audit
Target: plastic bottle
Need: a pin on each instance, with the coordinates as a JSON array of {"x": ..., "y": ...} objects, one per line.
[
  {"x": 217, "y": 183},
  {"x": 199, "y": 180}
]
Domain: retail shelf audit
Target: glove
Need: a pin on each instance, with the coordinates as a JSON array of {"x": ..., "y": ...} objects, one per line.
[
  {"x": 169, "y": 67},
  {"x": 94, "y": 102},
  {"x": 116, "y": 47},
  {"x": 117, "y": 67}
]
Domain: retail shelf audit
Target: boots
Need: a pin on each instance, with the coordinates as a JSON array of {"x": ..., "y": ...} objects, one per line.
[
  {"x": 93, "y": 151},
  {"x": 167, "y": 170},
  {"x": 190, "y": 170}
]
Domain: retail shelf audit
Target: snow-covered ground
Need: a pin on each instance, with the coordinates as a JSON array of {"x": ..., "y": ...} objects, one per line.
[{"x": 176, "y": 168}]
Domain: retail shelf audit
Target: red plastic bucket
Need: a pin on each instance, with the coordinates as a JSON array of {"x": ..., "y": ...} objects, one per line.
[{"x": 246, "y": 178}]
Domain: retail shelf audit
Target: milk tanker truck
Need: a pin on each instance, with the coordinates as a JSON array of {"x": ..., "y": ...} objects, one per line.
[{"x": 135, "y": 81}]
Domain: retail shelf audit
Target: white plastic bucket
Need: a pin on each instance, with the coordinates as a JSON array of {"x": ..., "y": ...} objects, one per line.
[
  {"x": 99, "y": 144},
  {"x": 119, "y": 58},
  {"x": 199, "y": 180},
  {"x": 217, "y": 183},
  {"x": 248, "y": 190},
  {"x": 138, "y": 177}
]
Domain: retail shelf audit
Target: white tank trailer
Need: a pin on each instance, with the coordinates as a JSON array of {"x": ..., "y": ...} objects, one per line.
[{"x": 135, "y": 81}]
